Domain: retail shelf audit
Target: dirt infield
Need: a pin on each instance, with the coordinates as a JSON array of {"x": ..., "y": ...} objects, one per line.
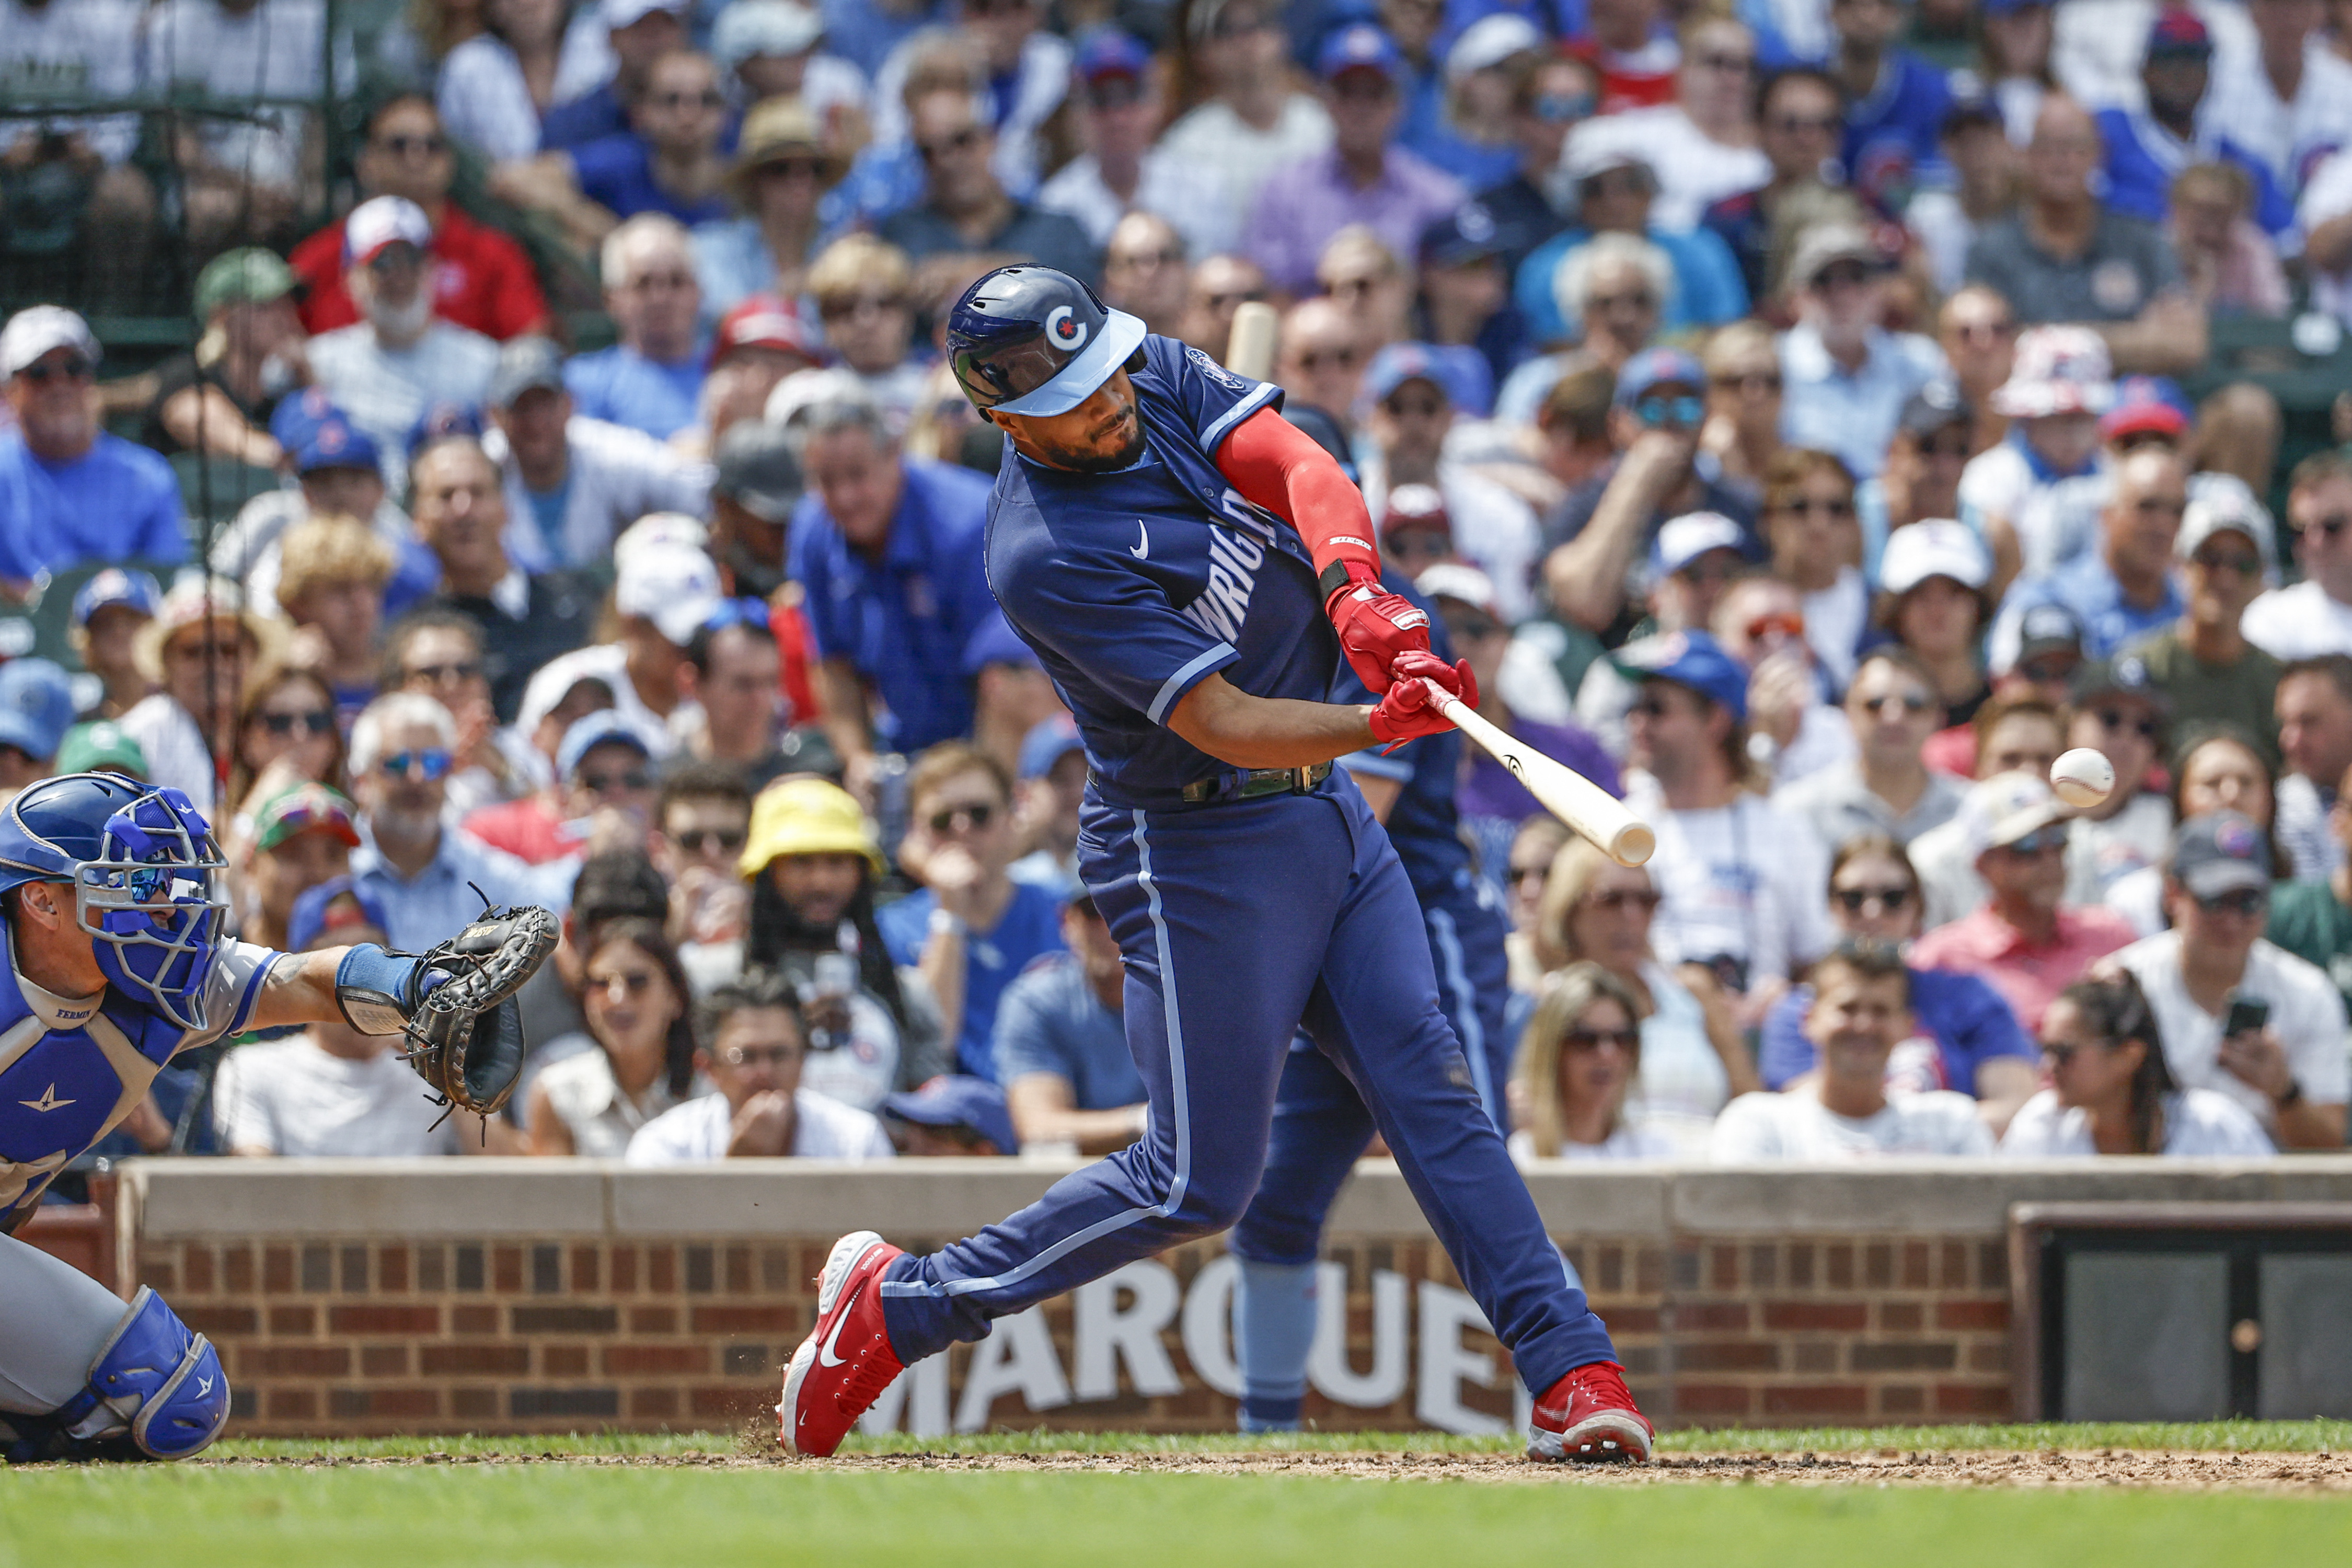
[{"x": 2299, "y": 1474}]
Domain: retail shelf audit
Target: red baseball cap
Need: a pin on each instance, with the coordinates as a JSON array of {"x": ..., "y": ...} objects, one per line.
[{"x": 764, "y": 321}]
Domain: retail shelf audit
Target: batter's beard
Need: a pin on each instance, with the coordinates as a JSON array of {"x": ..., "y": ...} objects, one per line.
[{"x": 1098, "y": 462}]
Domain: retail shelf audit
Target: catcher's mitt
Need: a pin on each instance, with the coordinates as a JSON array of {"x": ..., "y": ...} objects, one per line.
[{"x": 465, "y": 1034}]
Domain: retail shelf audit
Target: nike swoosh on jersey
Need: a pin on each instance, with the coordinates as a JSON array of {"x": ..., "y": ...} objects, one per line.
[
  {"x": 825, "y": 1356},
  {"x": 1141, "y": 548}
]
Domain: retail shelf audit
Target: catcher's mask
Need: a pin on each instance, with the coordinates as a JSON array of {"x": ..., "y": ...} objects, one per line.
[{"x": 147, "y": 880}]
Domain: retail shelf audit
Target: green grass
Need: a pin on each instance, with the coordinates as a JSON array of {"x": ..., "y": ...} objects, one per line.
[
  {"x": 576, "y": 1515},
  {"x": 2224, "y": 1437},
  {"x": 519, "y": 1517}
]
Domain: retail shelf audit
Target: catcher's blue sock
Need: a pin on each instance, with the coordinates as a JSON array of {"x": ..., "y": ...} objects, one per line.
[{"x": 1274, "y": 1327}]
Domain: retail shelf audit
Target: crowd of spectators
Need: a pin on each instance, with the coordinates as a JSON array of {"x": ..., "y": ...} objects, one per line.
[{"x": 1782, "y": 407}]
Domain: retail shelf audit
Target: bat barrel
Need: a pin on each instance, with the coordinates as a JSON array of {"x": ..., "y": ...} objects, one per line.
[{"x": 1565, "y": 792}]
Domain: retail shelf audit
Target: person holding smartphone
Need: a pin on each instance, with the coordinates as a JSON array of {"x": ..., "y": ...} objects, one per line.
[{"x": 2239, "y": 1016}]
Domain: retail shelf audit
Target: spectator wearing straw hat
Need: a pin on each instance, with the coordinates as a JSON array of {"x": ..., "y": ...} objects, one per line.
[
  {"x": 200, "y": 651},
  {"x": 783, "y": 166},
  {"x": 69, "y": 491}
]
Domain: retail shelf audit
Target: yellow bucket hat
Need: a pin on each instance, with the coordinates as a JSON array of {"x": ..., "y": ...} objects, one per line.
[{"x": 807, "y": 816}]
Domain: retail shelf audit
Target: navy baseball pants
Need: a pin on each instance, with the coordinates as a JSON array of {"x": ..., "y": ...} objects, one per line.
[{"x": 1240, "y": 923}]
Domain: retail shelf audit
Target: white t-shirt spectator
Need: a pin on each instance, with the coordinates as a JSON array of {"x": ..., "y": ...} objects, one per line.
[
  {"x": 1191, "y": 196},
  {"x": 2055, "y": 520},
  {"x": 1694, "y": 170},
  {"x": 1214, "y": 137},
  {"x": 1744, "y": 880},
  {"x": 2301, "y": 622},
  {"x": 292, "y": 1097},
  {"x": 272, "y": 51},
  {"x": 71, "y": 50},
  {"x": 2197, "y": 1124},
  {"x": 1758, "y": 1128},
  {"x": 823, "y": 1129},
  {"x": 385, "y": 392},
  {"x": 175, "y": 748},
  {"x": 1629, "y": 1141},
  {"x": 485, "y": 103},
  {"x": 2307, "y": 1012}
]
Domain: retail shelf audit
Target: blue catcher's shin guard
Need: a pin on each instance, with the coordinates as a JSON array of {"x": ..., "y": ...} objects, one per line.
[{"x": 161, "y": 1384}]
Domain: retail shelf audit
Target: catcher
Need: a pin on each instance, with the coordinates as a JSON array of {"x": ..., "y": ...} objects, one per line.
[{"x": 110, "y": 894}]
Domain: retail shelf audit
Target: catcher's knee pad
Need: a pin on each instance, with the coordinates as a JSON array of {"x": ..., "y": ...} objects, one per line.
[{"x": 156, "y": 1392}]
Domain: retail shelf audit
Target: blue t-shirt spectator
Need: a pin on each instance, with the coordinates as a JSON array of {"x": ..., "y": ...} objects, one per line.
[
  {"x": 1894, "y": 135},
  {"x": 1707, "y": 289},
  {"x": 2143, "y": 158},
  {"x": 617, "y": 174},
  {"x": 1030, "y": 928},
  {"x": 1966, "y": 1017},
  {"x": 622, "y": 386},
  {"x": 590, "y": 118},
  {"x": 116, "y": 502},
  {"x": 905, "y": 620},
  {"x": 1051, "y": 1021}
]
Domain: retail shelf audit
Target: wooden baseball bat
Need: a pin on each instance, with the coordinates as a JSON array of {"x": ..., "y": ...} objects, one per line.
[
  {"x": 1565, "y": 792},
  {"x": 1250, "y": 350}
]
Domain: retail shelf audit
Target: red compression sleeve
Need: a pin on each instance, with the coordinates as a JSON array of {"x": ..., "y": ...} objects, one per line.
[{"x": 1276, "y": 465}]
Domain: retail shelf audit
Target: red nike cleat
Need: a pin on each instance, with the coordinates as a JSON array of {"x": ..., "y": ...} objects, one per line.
[
  {"x": 843, "y": 1365},
  {"x": 1589, "y": 1418}
]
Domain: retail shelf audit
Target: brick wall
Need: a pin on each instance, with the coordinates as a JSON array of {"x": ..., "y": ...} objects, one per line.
[{"x": 462, "y": 1305}]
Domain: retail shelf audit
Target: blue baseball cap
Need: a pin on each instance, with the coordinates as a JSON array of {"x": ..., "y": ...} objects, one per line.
[
  {"x": 1684, "y": 539},
  {"x": 960, "y": 1101},
  {"x": 1047, "y": 743},
  {"x": 296, "y": 416},
  {"x": 118, "y": 585},
  {"x": 594, "y": 729},
  {"x": 441, "y": 420},
  {"x": 1468, "y": 232},
  {"x": 335, "y": 442},
  {"x": 315, "y": 914},
  {"x": 1359, "y": 47},
  {"x": 37, "y": 706},
  {"x": 996, "y": 642},
  {"x": 1692, "y": 659},
  {"x": 1657, "y": 367},
  {"x": 1109, "y": 52},
  {"x": 1442, "y": 366}
]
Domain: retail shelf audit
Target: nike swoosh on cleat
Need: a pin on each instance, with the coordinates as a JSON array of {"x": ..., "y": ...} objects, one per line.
[
  {"x": 825, "y": 1356},
  {"x": 1141, "y": 548}
]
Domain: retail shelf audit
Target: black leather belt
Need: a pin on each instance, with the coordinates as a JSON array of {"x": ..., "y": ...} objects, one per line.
[{"x": 1258, "y": 781}]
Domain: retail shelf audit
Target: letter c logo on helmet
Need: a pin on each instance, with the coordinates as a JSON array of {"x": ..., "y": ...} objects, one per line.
[{"x": 1066, "y": 331}]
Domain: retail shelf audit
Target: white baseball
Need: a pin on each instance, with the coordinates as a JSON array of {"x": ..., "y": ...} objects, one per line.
[{"x": 2083, "y": 777}]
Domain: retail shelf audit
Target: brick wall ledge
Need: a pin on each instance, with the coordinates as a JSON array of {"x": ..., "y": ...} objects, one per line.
[{"x": 195, "y": 1199}]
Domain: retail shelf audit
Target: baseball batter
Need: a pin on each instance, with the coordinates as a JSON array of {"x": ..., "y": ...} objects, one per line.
[
  {"x": 1192, "y": 569},
  {"x": 111, "y": 898}
]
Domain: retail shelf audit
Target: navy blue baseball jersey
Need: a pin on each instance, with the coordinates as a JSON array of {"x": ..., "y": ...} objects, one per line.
[
  {"x": 1136, "y": 585},
  {"x": 1423, "y": 823}
]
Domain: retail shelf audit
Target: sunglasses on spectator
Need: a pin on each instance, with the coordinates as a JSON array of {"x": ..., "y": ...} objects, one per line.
[
  {"x": 957, "y": 818},
  {"x": 751, "y": 1056},
  {"x": 398, "y": 257},
  {"x": 1115, "y": 92},
  {"x": 455, "y": 674},
  {"x": 605, "y": 783},
  {"x": 2241, "y": 565},
  {"x": 860, "y": 305},
  {"x": 2327, "y": 527},
  {"x": 1419, "y": 543},
  {"x": 1315, "y": 359},
  {"x": 2060, "y": 1054},
  {"x": 1539, "y": 871},
  {"x": 1363, "y": 86},
  {"x": 709, "y": 98},
  {"x": 1405, "y": 406},
  {"x": 1747, "y": 380},
  {"x": 1615, "y": 181},
  {"x": 1983, "y": 332},
  {"x": 962, "y": 141},
  {"x": 1351, "y": 288},
  {"x": 1778, "y": 624},
  {"x": 1681, "y": 413},
  {"x": 1234, "y": 298},
  {"x": 1652, "y": 708},
  {"x": 1709, "y": 570},
  {"x": 2043, "y": 671},
  {"x": 1805, "y": 124},
  {"x": 40, "y": 372},
  {"x": 793, "y": 168},
  {"x": 1843, "y": 275},
  {"x": 1563, "y": 108},
  {"x": 1474, "y": 628},
  {"x": 994, "y": 7},
  {"x": 1626, "y": 1040},
  {"x": 1618, "y": 900},
  {"x": 2145, "y": 726},
  {"x": 1858, "y": 901},
  {"x": 410, "y": 146},
  {"x": 634, "y": 982},
  {"x": 1946, "y": 446},
  {"x": 2237, "y": 901},
  {"x": 709, "y": 840},
  {"x": 1124, "y": 261},
  {"x": 1904, "y": 703},
  {"x": 430, "y": 764},
  {"x": 1801, "y": 505},
  {"x": 2041, "y": 840},
  {"x": 1632, "y": 299},
  {"x": 316, "y": 722}
]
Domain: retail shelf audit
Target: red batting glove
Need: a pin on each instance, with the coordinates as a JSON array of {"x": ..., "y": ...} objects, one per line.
[
  {"x": 1456, "y": 679},
  {"x": 1376, "y": 627},
  {"x": 1409, "y": 709}
]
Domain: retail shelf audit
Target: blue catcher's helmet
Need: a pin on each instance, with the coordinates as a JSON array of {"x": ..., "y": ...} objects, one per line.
[
  {"x": 1029, "y": 339},
  {"x": 146, "y": 879}
]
